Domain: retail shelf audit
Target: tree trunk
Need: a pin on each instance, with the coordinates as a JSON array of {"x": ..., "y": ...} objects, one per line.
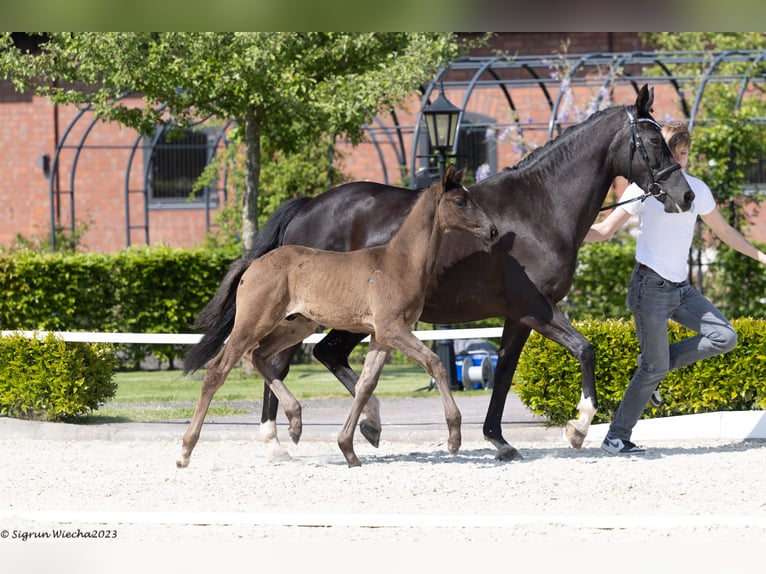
[{"x": 252, "y": 177}]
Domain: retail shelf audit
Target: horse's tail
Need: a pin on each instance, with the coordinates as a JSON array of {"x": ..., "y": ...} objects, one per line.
[{"x": 217, "y": 318}]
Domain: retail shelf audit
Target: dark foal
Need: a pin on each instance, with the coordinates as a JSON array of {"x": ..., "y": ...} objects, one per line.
[{"x": 283, "y": 296}]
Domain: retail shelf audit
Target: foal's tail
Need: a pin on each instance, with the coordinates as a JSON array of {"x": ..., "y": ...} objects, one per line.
[{"x": 217, "y": 318}]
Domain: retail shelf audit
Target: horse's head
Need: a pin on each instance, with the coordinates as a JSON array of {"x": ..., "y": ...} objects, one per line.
[
  {"x": 651, "y": 164},
  {"x": 459, "y": 211}
]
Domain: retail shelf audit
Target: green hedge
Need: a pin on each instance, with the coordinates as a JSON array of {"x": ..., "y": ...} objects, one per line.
[
  {"x": 549, "y": 380},
  {"x": 52, "y": 380},
  {"x": 150, "y": 290},
  {"x": 734, "y": 283}
]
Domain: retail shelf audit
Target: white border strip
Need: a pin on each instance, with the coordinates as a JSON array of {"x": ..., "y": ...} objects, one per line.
[
  {"x": 191, "y": 339},
  {"x": 663, "y": 522}
]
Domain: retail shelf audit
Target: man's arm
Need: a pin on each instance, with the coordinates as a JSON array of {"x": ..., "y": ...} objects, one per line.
[
  {"x": 604, "y": 230},
  {"x": 731, "y": 236}
]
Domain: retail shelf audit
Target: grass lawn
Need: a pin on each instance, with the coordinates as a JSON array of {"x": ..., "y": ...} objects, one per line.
[{"x": 168, "y": 395}]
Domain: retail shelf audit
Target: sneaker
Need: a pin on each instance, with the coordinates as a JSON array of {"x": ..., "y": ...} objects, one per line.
[
  {"x": 656, "y": 399},
  {"x": 619, "y": 446}
]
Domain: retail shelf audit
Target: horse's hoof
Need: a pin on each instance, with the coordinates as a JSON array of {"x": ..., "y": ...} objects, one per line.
[
  {"x": 354, "y": 463},
  {"x": 574, "y": 435},
  {"x": 507, "y": 453},
  {"x": 182, "y": 463},
  {"x": 453, "y": 447},
  {"x": 371, "y": 432},
  {"x": 295, "y": 437}
]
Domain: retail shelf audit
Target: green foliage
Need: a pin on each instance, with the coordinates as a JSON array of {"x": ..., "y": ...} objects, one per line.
[
  {"x": 162, "y": 290},
  {"x": 55, "y": 291},
  {"x": 601, "y": 280},
  {"x": 151, "y": 290},
  {"x": 52, "y": 380},
  {"x": 549, "y": 379},
  {"x": 737, "y": 284}
]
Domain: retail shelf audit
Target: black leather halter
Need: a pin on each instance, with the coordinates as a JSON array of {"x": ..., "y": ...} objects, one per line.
[{"x": 656, "y": 177}]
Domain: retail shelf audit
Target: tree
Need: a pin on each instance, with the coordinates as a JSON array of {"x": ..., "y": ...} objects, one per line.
[{"x": 286, "y": 88}]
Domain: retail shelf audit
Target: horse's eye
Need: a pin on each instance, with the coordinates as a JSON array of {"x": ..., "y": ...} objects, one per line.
[{"x": 460, "y": 201}]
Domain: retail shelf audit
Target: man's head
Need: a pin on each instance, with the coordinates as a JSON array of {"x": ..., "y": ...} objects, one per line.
[{"x": 677, "y": 136}]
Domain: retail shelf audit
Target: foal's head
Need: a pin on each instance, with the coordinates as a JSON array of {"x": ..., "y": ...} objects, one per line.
[{"x": 457, "y": 209}]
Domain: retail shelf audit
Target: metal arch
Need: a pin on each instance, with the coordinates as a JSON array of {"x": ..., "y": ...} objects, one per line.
[
  {"x": 618, "y": 72},
  {"x": 54, "y": 167},
  {"x": 703, "y": 84},
  {"x": 553, "y": 121},
  {"x": 398, "y": 147},
  {"x": 746, "y": 79}
]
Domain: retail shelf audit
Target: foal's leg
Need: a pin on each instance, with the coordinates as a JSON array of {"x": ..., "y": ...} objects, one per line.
[
  {"x": 333, "y": 351},
  {"x": 215, "y": 375},
  {"x": 401, "y": 338},
  {"x": 368, "y": 380}
]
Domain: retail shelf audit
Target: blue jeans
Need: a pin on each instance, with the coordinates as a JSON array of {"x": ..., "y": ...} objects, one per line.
[{"x": 654, "y": 301}]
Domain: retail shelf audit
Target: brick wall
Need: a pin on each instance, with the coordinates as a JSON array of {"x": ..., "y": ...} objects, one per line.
[{"x": 29, "y": 126}]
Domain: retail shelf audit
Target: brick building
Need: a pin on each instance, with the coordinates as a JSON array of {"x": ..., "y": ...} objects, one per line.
[{"x": 129, "y": 190}]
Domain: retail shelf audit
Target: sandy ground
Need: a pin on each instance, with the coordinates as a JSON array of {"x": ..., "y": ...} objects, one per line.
[{"x": 697, "y": 500}]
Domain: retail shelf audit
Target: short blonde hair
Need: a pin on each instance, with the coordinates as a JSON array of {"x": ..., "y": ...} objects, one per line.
[{"x": 677, "y": 135}]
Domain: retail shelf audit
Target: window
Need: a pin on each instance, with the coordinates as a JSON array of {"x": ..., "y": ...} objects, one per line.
[{"x": 174, "y": 164}]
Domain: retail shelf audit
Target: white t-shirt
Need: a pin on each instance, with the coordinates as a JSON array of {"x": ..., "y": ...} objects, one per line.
[{"x": 664, "y": 238}]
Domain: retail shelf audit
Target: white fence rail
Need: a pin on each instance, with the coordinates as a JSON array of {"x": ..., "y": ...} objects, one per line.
[{"x": 191, "y": 339}]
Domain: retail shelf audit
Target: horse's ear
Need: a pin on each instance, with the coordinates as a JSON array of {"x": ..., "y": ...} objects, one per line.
[
  {"x": 459, "y": 176},
  {"x": 449, "y": 175},
  {"x": 644, "y": 101}
]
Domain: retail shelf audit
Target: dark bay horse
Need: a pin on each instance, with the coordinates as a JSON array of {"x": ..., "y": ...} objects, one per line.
[
  {"x": 286, "y": 293},
  {"x": 543, "y": 208}
]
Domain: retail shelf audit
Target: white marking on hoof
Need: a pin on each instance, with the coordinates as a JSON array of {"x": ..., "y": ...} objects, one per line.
[{"x": 268, "y": 431}]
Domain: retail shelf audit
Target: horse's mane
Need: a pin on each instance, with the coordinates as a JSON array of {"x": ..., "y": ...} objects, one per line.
[{"x": 540, "y": 153}]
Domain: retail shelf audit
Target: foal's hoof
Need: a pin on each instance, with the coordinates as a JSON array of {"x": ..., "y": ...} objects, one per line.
[
  {"x": 354, "y": 462},
  {"x": 371, "y": 432},
  {"x": 454, "y": 446},
  {"x": 507, "y": 453},
  {"x": 182, "y": 463},
  {"x": 574, "y": 435},
  {"x": 295, "y": 436}
]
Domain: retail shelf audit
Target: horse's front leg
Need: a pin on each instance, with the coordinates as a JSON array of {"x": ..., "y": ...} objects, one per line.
[
  {"x": 405, "y": 341},
  {"x": 560, "y": 330},
  {"x": 514, "y": 337},
  {"x": 333, "y": 352},
  {"x": 373, "y": 365},
  {"x": 272, "y": 358}
]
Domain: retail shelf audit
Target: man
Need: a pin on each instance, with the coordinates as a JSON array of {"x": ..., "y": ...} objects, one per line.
[{"x": 659, "y": 290}]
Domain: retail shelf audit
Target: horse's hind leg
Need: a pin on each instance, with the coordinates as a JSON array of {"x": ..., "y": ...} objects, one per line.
[
  {"x": 333, "y": 351},
  {"x": 215, "y": 376},
  {"x": 373, "y": 364}
]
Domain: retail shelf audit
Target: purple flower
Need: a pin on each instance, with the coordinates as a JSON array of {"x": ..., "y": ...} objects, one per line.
[{"x": 482, "y": 172}]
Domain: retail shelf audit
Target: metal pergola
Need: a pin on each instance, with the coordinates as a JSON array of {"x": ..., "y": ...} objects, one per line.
[{"x": 552, "y": 77}]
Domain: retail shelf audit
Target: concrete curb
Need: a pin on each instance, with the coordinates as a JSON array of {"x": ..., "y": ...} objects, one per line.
[{"x": 734, "y": 425}]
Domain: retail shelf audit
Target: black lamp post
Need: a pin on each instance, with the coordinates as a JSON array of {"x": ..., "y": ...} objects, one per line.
[{"x": 441, "y": 120}]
